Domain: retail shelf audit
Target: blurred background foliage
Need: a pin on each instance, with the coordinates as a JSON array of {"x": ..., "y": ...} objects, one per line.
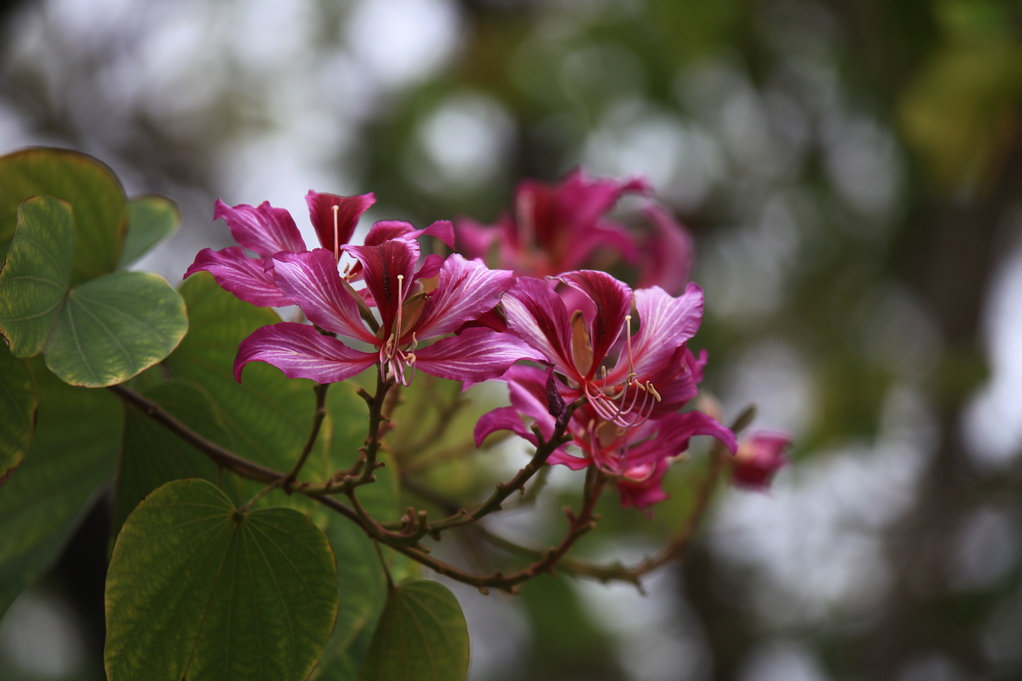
[{"x": 852, "y": 172}]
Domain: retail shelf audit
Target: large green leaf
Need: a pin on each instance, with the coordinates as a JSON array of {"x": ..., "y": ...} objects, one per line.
[
  {"x": 114, "y": 327},
  {"x": 89, "y": 186},
  {"x": 99, "y": 333},
  {"x": 72, "y": 458},
  {"x": 421, "y": 636},
  {"x": 18, "y": 403},
  {"x": 35, "y": 277},
  {"x": 267, "y": 416},
  {"x": 152, "y": 456},
  {"x": 197, "y": 590},
  {"x": 151, "y": 219}
]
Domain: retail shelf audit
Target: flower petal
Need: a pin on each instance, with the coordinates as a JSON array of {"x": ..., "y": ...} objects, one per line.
[
  {"x": 384, "y": 230},
  {"x": 382, "y": 265},
  {"x": 476, "y": 355},
  {"x": 311, "y": 280},
  {"x": 613, "y": 301},
  {"x": 668, "y": 255},
  {"x": 586, "y": 199},
  {"x": 536, "y": 314},
  {"x": 264, "y": 229},
  {"x": 247, "y": 278},
  {"x": 673, "y": 434},
  {"x": 302, "y": 352},
  {"x": 502, "y": 418},
  {"x": 665, "y": 324},
  {"x": 474, "y": 239},
  {"x": 465, "y": 290},
  {"x": 335, "y": 229}
]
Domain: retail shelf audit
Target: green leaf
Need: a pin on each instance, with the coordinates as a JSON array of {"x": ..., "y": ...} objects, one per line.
[
  {"x": 35, "y": 278},
  {"x": 18, "y": 403},
  {"x": 421, "y": 636},
  {"x": 71, "y": 460},
  {"x": 197, "y": 590},
  {"x": 114, "y": 327},
  {"x": 97, "y": 334},
  {"x": 268, "y": 416},
  {"x": 153, "y": 456},
  {"x": 151, "y": 219},
  {"x": 90, "y": 187}
]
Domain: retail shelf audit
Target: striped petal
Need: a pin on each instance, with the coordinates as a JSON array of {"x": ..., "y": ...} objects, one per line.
[
  {"x": 247, "y": 278},
  {"x": 311, "y": 280},
  {"x": 666, "y": 323},
  {"x": 388, "y": 270},
  {"x": 536, "y": 314},
  {"x": 334, "y": 228},
  {"x": 613, "y": 301},
  {"x": 263, "y": 229},
  {"x": 302, "y": 352},
  {"x": 476, "y": 355},
  {"x": 465, "y": 291}
]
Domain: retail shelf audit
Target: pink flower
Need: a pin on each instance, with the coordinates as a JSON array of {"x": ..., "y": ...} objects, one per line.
[
  {"x": 410, "y": 312},
  {"x": 267, "y": 231},
  {"x": 653, "y": 372},
  {"x": 759, "y": 457},
  {"x": 563, "y": 227},
  {"x": 636, "y": 458}
]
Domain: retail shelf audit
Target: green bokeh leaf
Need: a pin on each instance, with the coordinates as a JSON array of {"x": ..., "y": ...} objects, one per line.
[
  {"x": 89, "y": 186},
  {"x": 35, "y": 277},
  {"x": 114, "y": 327},
  {"x": 72, "y": 458},
  {"x": 153, "y": 456},
  {"x": 199, "y": 591},
  {"x": 421, "y": 636},
  {"x": 18, "y": 403},
  {"x": 151, "y": 219}
]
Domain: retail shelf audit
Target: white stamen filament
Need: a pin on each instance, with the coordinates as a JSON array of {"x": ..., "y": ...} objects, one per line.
[
  {"x": 396, "y": 363},
  {"x": 337, "y": 245}
]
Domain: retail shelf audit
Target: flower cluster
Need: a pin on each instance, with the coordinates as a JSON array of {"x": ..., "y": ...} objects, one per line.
[{"x": 580, "y": 351}]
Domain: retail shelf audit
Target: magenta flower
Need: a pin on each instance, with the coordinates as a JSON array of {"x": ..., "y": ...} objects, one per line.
[
  {"x": 563, "y": 227},
  {"x": 654, "y": 370},
  {"x": 410, "y": 312},
  {"x": 759, "y": 457},
  {"x": 636, "y": 458},
  {"x": 267, "y": 231}
]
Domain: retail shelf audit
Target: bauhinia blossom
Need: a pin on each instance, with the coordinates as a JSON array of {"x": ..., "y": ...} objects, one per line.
[
  {"x": 411, "y": 311},
  {"x": 267, "y": 231},
  {"x": 558, "y": 228},
  {"x": 759, "y": 457},
  {"x": 636, "y": 458},
  {"x": 654, "y": 372}
]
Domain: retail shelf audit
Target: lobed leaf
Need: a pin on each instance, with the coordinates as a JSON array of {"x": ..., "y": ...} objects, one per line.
[
  {"x": 86, "y": 184},
  {"x": 115, "y": 327},
  {"x": 151, "y": 219},
  {"x": 35, "y": 277},
  {"x": 198, "y": 590}
]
